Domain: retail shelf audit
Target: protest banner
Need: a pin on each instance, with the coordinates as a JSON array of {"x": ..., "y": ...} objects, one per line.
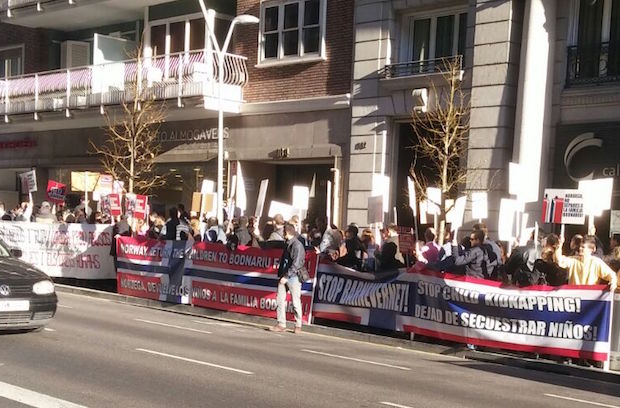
[
  {"x": 63, "y": 250},
  {"x": 243, "y": 281},
  {"x": 563, "y": 207},
  {"x": 56, "y": 192},
  {"x": 569, "y": 321},
  {"x": 152, "y": 269},
  {"x": 83, "y": 180},
  {"x": 29, "y": 181},
  {"x": 115, "y": 204}
]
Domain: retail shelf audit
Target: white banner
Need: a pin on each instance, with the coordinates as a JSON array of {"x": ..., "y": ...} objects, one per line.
[{"x": 63, "y": 250}]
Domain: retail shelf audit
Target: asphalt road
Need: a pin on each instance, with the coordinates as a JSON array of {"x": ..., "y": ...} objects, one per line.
[{"x": 100, "y": 353}]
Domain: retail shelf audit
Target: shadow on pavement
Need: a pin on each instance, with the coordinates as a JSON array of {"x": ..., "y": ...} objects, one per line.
[{"x": 552, "y": 378}]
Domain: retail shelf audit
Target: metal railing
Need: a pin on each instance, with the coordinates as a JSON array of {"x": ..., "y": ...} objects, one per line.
[
  {"x": 599, "y": 63},
  {"x": 180, "y": 75},
  {"x": 412, "y": 68}
]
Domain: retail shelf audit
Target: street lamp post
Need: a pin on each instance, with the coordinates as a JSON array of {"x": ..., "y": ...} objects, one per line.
[{"x": 221, "y": 54}]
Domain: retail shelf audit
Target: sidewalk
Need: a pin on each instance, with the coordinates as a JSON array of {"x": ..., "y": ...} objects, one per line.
[{"x": 346, "y": 331}]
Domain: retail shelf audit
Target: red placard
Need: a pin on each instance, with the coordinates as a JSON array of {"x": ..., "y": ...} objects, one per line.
[
  {"x": 56, "y": 192},
  {"x": 115, "y": 204}
]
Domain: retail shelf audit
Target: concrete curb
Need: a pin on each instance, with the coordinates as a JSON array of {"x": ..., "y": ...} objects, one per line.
[{"x": 389, "y": 338}]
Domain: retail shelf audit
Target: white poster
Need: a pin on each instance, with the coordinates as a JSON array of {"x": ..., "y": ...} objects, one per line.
[
  {"x": 63, "y": 250},
  {"x": 262, "y": 195},
  {"x": 561, "y": 206},
  {"x": 375, "y": 209},
  {"x": 301, "y": 197},
  {"x": 596, "y": 195},
  {"x": 286, "y": 210},
  {"x": 29, "y": 181},
  {"x": 479, "y": 206},
  {"x": 507, "y": 229}
]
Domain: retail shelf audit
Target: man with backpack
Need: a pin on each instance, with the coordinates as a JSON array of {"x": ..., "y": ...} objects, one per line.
[
  {"x": 291, "y": 273},
  {"x": 480, "y": 261}
]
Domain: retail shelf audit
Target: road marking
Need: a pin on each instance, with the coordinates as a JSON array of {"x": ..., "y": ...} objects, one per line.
[
  {"x": 173, "y": 326},
  {"x": 391, "y": 404},
  {"x": 598, "y": 404},
  {"x": 214, "y": 323},
  {"x": 65, "y": 306},
  {"x": 190, "y": 360},
  {"x": 48, "y": 329},
  {"x": 32, "y": 398},
  {"x": 357, "y": 359}
]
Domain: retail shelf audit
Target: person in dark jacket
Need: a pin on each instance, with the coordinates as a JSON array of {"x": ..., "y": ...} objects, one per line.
[
  {"x": 292, "y": 266},
  {"x": 169, "y": 232},
  {"x": 354, "y": 247},
  {"x": 386, "y": 260},
  {"x": 120, "y": 229}
]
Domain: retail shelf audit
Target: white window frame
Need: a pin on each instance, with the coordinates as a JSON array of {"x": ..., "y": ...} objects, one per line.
[
  {"x": 407, "y": 30},
  {"x": 301, "y": 56},
  {"x": 184, "y": 18},
  {"x": 13, "y": 47}
]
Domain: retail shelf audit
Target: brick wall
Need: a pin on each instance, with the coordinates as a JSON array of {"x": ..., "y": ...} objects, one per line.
[
  {"x": 301, "y": 80},
  {"x": 35, "y": 41}
]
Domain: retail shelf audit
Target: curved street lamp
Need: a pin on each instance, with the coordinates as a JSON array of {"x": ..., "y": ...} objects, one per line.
[{"x": 221, "y": 53}]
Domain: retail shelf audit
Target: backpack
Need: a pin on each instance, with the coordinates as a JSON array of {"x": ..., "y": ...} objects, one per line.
[{"x": 490, "y": 262}]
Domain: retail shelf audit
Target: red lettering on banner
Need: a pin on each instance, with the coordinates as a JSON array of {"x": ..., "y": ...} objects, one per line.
[{"x": 136, "y": 285}]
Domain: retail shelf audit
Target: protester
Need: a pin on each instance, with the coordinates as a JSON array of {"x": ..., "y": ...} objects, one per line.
[
  {"x": 391, "y": 235},
  {"x": 576, "y": 245},
  {"x": 169, "y": 232},
  {"x": 430, "y": 251},
  {"x": 214, "y": 232},
  {"x": 120, "y": 229},
  {"x": 476, "y": 260},
  {"x": 278, "y": 231},
  {"x": 44, "y": 214},
  {"x": 292, "y": 265},
  {"x": 242, "y": 233},
  {"x": 330, "y": 237},
  {"x": 386, "y": 260},
  {"x": 194, "y": 225},
  {"x": 353, "y": 251},
  {"x": 483, "y": 227},
  {"x": 586, "y": 269}
]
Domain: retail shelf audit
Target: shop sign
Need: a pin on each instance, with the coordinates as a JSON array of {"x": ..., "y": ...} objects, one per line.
[
  {"x": 190, "y": 135},
  {"x": 17, "y": 144}
]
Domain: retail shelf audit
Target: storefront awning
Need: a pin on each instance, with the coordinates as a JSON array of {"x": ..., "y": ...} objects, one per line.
[{"x": 188, "y": 153}]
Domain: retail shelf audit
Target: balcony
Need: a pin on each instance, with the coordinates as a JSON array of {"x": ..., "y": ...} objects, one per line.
[
  {"x": 416, "y": 74},
  {"x": 169, "y": 77},
  {"x": 598, "y": 64}
]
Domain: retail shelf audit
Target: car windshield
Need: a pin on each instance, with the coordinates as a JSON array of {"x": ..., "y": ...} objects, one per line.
[{"x": 4, "y": 251}]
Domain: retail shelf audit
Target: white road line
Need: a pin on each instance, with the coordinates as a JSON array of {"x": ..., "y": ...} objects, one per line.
[
  {"x": 190, "y": 360},
  {"x": 65, "y": 306},
  {"x": 598, "y": 404},
  {"x": 32, "y": 398},
  {"x": 357, "y": 359},
  {"x": 48, "y": 329},
  {"x": 391, "y": 404},
  {"x": 173, "y": 326},
  {"x": 214, "y": 323}
]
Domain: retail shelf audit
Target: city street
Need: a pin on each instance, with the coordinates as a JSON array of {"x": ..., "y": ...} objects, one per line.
[{"x": 99, "y": 353}]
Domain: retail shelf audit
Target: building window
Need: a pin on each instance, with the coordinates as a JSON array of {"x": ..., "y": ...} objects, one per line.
[
  {"x": 171, "y": 36},
  {"x": 594, "y": 55},
  {"x": 292, "y": 30},
  {"x": 11, "y": 61},
  {"x": 427, "y": 37}
]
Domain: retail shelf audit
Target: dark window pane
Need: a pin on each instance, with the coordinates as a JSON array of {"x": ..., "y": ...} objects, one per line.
[
  {"x": 290, "y": 41},
  {"x": 311, "y": 40},
  {"x": 613, "y": 66},
  {"x": 221, "y": 30},
  {"x": 271, "y": 45},
  {"x": 421, "y": 40},
  {"x": 197, "y": 34},
  {"x": 589, "y": 38},
  {"x": 311, "y": 12},
  {"x": 444, "y": 36},
  {"x": 291, "y": 15},
  {"x": 462, "y": 33},
  {"x": 177, "y": 37},
  {"x": 271, "y": 19},
  {"x": 158, "y": 39}
]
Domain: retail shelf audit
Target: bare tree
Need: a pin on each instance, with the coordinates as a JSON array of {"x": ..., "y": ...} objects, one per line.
[
  {"x": 441, "y": 134},
  {"x": 129, "y": 151}
]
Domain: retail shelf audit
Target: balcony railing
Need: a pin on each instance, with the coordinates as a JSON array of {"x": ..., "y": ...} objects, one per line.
[
  {"x": 599, "y": 63},
  {"x": 180, "y": 75},
  {"x": 412, "y": 68}
]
